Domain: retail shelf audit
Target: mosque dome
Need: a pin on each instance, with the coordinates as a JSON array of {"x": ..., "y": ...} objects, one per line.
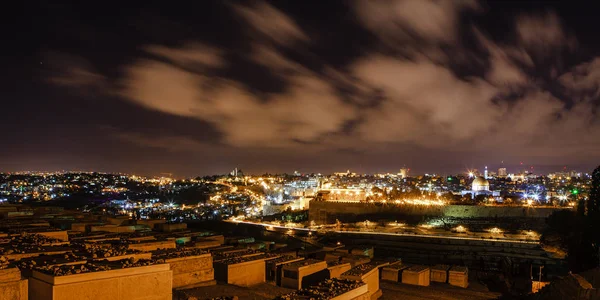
[{"x": 480, "y": 184}]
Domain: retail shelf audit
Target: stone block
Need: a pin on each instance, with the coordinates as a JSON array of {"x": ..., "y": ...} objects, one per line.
[
  {"x": 113, "y": 228},
  {"x": 168, "y": 227},
  {"x": 304, "y": 273},
  {"x": 439, "y": 273},
  {"x": 416, "y": 275},
  {"x": 458, "y": 276},
  {"x": 368, "y": 274},
  {"x": 335, "y": 271},
  {"x": 191, "y": 270},
  {"x": 393, "y": 272},
  {"x": 140, "y": 283},
  {"x": 60, "y": 234},
  {"x": 148, "y": 246},
  {"x": 245, "y": 273},
  {"x": 12, "y": 287}
]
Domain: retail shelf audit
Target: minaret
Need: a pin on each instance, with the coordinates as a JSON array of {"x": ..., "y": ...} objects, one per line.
[{"x": 485, "y": 174}]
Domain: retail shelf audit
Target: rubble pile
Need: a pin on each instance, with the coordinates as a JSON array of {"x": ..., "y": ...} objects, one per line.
[
  {"x": 303, "y": 263},
  {"x": 282, "y": 259},
  {"x": 225, "y": 255},
  {"x": 31, "y": 263},
  {"x": 3, "y": 262},
  {"x": 237, "y": 260},
  {"x": 62, "y": 270},
  {"x": 177, "y": 253},
  {"x": 332, "y": 263},
  {"x": 360, "y": 270},
  {"x": 27, "y": 243},
  {"x": 131, "y": 263},
  {"x": 327, "y": 289},
  {"x": 97, "y": 251},
  {"x": 72, "y": 269}
]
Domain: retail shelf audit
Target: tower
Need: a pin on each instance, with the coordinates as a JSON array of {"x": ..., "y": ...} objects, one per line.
[
  {"x": 404, "y": 172},
  {"x": 485, "y": 173}
]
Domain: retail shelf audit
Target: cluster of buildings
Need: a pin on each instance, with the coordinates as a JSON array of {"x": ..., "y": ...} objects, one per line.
[
  {"x": 63, "y": 254},
  {"x": 238, "y": 194}
]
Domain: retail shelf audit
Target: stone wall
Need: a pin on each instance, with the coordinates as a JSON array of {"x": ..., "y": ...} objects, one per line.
[
  {"x": 152, "y": 245},
  {"x": 59, "y": 234},
  {"x": 323, "y": 212},
  {"x": 337, "y": 270},
  {"x": 112, "y": 228},
  {"x": 191, "y": 270},
  {"x": 12, "y": 286},
  {"x": 140, "y": 283},
  {"x": 242, "y": 274},
  {"x": 371, "y": 278},
  {"x": 169, "y": 227}
]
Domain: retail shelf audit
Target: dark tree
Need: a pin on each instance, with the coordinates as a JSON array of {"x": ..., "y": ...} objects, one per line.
[
  {"x": 593, "y": 217},
  {"x": 593, "y": 204},
  {"x": 577, "y": 231}
]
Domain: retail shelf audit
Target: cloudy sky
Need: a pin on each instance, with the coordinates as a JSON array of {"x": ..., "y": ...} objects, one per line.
[{"x": 315, "y": 86}]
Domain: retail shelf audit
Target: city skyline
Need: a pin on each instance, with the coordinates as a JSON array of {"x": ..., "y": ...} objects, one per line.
[
  {"x": 275, "y": 87},
  {"x": 494, "y": 171}
]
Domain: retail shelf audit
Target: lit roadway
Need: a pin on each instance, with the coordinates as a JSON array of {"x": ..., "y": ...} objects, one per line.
[{"x": 394, "y": 234}]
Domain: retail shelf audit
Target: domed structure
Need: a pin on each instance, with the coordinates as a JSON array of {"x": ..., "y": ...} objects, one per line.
[{"x": 480, "y": 184}]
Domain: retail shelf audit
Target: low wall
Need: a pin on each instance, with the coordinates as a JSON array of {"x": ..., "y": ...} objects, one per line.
[
  {"x": 336, "y": 271},
  {"x": 12, "y": 286},
  {"x": 149, "y": 282},
  {"x": 416, "y": 275},
  {"x": 191, "y": 270},
  {"x": 439, "y": 273},
  {"x": 151, "y": 246},
  {"x": 113, "y": 228},
  {"x": 304, "y": 273},
  {"x": 371, "y": 278},
  {"x": 167, "y": 227},
  {"x": 360, "y": 293},
  {"x": 242, "y": 274},
  {"x": 323, "y": 212},
  {"x": 458, "y": 276},
  {"x": 393, "y": 272},
  {"x": 151, "y": 223},
  {"x": 60, "y": 235}
]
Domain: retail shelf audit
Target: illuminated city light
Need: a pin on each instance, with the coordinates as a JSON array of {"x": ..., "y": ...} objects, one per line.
[{"x": 495, "y": 230}]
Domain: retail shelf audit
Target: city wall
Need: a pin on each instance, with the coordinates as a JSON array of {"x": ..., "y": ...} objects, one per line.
[{"x": 326, "y": 212}]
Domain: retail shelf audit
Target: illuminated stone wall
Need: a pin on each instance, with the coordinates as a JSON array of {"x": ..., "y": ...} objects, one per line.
[{"x": 323, "y": 212}]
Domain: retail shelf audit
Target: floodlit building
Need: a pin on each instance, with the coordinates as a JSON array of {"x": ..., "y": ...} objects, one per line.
[
  {"x": 403, "y": 173},
  {"x": 502, "y": 172},
  {"x": 480, "y": 186}
]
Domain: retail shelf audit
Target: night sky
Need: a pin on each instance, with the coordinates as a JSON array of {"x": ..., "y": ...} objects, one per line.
[{"x": 201, "y": 87}]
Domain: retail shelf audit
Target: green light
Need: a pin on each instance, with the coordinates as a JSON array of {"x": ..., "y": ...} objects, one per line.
[
  {"x": 449, "y": 178},
  {"x": 575, "y": 192}
]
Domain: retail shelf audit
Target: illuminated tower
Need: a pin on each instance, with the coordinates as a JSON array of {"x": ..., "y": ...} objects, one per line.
[
  {"x": 485, "y": 173},
  {"x": 404, "y": 172}
]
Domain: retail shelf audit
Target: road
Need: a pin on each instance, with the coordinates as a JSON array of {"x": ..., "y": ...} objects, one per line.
[{"x": 392, "y": 234}]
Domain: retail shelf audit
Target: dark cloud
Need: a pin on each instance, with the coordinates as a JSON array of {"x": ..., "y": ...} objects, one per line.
[{"x": 265, "y": 95}]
